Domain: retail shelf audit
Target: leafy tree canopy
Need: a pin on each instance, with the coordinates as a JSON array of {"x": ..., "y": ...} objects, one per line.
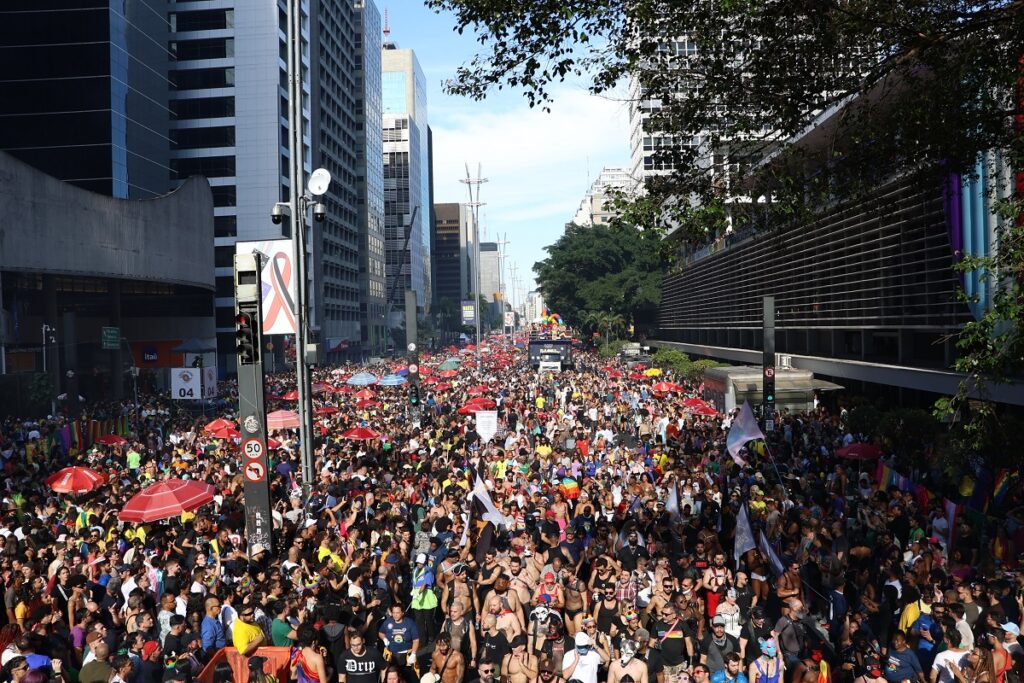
[{"x": 605, "y": 269}]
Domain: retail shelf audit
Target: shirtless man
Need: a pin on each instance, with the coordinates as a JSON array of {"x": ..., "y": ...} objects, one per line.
[
  {"x": 520, "y": 581},
  {"x": 509, "y": 598},
  {"x": 504, "y": 620},
  {"x": 446, "y": 662},
  {"x": 717, "y": 578},
  {"x": 519, "y": 665},
  {"x": 457, "y": 590},
  {"x": 627, "y": 665},
  {"x": 575, "y": 598}
]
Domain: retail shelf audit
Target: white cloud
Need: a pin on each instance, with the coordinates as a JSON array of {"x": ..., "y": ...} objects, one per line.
[{"x": 536, "y": 162}]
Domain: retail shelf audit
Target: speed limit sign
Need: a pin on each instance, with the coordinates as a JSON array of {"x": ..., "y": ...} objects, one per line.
[{"x": 253, "y": 449}]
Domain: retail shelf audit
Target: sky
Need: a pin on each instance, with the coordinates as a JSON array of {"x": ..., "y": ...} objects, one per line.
[{"x": 538, "y": 165}]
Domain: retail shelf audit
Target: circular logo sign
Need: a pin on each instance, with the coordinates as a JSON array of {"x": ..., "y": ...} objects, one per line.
[
  {"x": 255, "y": 472},
  {"x": 251, "y": 424},
  {"x": 413, "y": 369},
  {"x": 253, "y": 449},
  {"x": 186, "y": 376},
  {"x": 769, "y": 372}
]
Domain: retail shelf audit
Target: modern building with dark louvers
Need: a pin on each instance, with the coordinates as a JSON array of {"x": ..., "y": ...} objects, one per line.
[
  {"x": 84, "y": 95},
  {"x": 865, "y": 294},
  {"x": 92, "y": 285}
]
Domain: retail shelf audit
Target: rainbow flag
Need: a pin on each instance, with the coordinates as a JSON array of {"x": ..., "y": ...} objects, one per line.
[
  {"x": 570, "y": 489},
  {"x": 1004, "y": 480}
]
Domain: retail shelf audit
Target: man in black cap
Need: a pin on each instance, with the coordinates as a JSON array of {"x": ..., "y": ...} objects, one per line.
[{"x": 756, "y": 629}]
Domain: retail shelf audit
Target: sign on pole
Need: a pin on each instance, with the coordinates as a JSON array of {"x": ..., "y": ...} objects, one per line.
[
  {"x": 469, "y": 312},
  {"x": 111, "y": 338},
  {"x": 210, "y": 381},
  {"x": 510, "y": 319},
  {"x": 278, "y": 278},
  {"x": 487, "y": 424},
  {"x": 186, "y": 384}
]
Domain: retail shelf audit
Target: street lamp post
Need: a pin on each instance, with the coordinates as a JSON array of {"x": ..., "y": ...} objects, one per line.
[
  {"x": 298, "y": 204},
  {"x": 474, "y": 205}
]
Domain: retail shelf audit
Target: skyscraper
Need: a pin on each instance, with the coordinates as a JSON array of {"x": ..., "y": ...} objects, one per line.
[
  {"x": 335, "y": 295},
  {"x": 370, "y": 180},
  {"x": 595, "y": 209},
  {"x": 84, "y": 93},
  {"x": 406, "y": 179},
  {"x": 451, "y": 252},
  {"x": 229, "y": 101}
]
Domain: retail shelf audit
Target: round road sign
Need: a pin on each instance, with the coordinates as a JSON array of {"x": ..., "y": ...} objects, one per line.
[
  {"x": 253, "y": 449},
  {"x": 413, "y": 369},
  {"x": 255, "y": 472},
  {"x": 769, "y": 372}
]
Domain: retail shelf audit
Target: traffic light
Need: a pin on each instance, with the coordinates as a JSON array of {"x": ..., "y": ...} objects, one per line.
[
  {"x": 769, "y": 386},
  {"x": 414, "y": 395},
  {"x": 246, "y": 339}
]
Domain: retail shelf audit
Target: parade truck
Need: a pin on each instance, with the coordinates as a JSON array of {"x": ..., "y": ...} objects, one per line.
[{"x": 550, "y": 355}]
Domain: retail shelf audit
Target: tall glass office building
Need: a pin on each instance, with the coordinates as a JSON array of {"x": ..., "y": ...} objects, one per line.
[
  {"x": 406, "y": 179},
  {"x": 84, "y": 93},
  {"x": 370, "y": 180}
]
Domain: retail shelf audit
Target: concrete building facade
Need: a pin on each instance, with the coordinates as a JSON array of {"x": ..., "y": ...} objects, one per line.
[
  {"x": 595, "y": 207},
  {"x": 81, "y": 261}
]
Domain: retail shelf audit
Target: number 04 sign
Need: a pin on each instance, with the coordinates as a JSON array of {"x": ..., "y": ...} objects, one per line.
[{"x": 186, "y": 384}]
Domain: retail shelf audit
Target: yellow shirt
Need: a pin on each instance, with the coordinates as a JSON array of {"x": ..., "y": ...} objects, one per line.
[
  {"x": 539, "y": 403},
  {"x": 323, "y": 552},
  {"x": 242, "y": 634},
  {"x": 911, "y": 612}
]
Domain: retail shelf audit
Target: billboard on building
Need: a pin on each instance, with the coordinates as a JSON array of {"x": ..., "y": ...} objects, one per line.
[{"x": 278, "y": 279}]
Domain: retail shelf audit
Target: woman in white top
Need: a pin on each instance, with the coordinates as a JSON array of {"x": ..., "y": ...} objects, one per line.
[{"x": 730, "y": 611}]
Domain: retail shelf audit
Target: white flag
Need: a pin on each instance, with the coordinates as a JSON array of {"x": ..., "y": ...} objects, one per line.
[
  {"x": 486, "y": 509},
  {"x": 744, "y": 428},
  {"x": 672, "y": 505},
  {"x": 744, "y": 535}
]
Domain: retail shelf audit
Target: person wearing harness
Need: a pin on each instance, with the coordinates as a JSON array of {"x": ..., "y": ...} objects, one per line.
[
  {"x": 769, "y": 667},
  {"x": 789, "y": 632}
]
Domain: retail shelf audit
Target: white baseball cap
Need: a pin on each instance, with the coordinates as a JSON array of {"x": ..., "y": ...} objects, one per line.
[
  {"x": 582, "y": 639},
  {"x": 421, "y": 558}
]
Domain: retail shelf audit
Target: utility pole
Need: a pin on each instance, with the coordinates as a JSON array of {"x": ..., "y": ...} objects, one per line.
[
  {"x": 473, "y": 185},
  {"x": 768, "y": 365}
]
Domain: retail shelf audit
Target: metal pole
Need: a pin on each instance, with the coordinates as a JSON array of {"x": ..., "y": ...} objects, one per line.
[
  {"x": 298, "y": 224},
  {"x": 475, "y": 204}
]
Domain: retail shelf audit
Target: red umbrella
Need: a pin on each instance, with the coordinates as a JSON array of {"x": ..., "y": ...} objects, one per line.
[
  {"x": 484, "y": 403},
  {"x": 290, "y": 396},
  {"x": 218, "y": 424},
  {"x": 112, "y": 440},
  {"x": 443, "y": 386},
  {"x": 859, "y": 451},
  {"x": 664, "y": 387},
  {"x": 470, "y": 409},
  {"x": 226, "y": 433},
  {"x": 367, "y": 403},
  {"x": 637, "y": 376},
  {"x": 704, "y": 411},
  {"x": 694, "y": 402},
  {"x": 447, "y": 374},
  {"x": 319, "y": 387},
  {"x": 282, "y": 419},
  {"x": 273, "y": 443},
  {"x": 75, "y": 480},
  {"x": 326, "y": 410},
  {"x": 360, "y": 434},
  {"x": 477, "y": 390},
  {"x": 429, "y": 380},
  {"x": 166, "y": 499},
  {"x": 614, "y": 374},
  {"x": 365, "y": 393}
]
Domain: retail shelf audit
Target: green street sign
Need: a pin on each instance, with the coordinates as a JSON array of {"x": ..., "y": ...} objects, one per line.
[{"x": 111, "y": 338}]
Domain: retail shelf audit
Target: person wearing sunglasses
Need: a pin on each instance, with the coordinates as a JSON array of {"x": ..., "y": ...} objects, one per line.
[{"x": 246, "y": 635}]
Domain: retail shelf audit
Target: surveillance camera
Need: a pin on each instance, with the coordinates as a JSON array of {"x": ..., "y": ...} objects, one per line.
[
  {"x": 319, "y": 212},
  {"x": 278, "y": 213}
]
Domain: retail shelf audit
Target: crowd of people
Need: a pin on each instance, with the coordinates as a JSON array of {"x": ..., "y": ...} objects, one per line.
[{"x": 593, "y": 538}]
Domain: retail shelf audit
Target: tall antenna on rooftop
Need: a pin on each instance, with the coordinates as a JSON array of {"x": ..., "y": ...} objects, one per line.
[{"x": 387, "y": 25}]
